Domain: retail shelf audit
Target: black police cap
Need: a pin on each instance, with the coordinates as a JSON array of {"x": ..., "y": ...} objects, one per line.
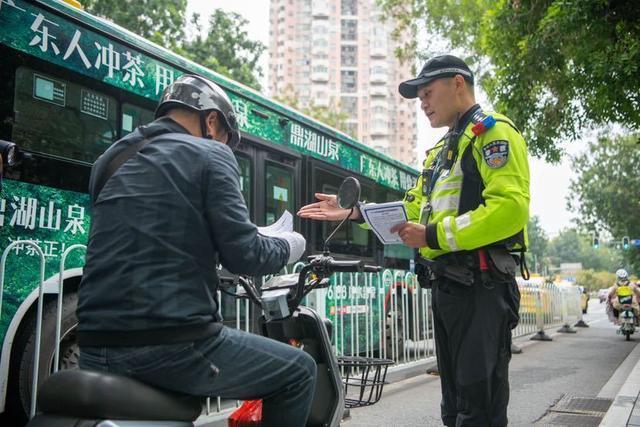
[{"x": 436, "y": 68}]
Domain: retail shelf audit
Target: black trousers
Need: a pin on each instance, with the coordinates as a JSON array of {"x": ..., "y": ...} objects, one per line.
[{"x": 473, "y": 345}]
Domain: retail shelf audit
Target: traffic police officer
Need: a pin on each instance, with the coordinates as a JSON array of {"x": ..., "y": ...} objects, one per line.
[{"x": 467, "y": 214}]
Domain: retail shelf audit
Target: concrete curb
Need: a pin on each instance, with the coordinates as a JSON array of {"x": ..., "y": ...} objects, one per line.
[{"x": 623, "y": 411}]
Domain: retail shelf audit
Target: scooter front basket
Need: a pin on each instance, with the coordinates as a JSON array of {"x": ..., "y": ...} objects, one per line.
[{"x": 363, "y": 379}]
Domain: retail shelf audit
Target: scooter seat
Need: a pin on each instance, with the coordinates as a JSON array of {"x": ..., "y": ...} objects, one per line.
[{"x": 100, "y": 395}]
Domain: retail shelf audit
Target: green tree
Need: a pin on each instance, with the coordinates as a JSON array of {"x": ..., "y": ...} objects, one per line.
[
  {"x": 571, "y": 246},
  {"x": 555, "y": 67},
  {"x": 593, "y": 280},
  {"x": 331, "y": 115},
  {"x": 538, "y": 241},
  {"x": 161, "y": 21},
  {"x": 226, "y": 47},
  {"x": 606, "y": 190}
]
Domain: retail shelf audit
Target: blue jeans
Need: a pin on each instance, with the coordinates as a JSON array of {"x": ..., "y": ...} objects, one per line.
[{"x": 251, "y": 367}]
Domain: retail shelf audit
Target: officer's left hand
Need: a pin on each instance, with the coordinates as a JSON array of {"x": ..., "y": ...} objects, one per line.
[{"x": 411, "y": 233}]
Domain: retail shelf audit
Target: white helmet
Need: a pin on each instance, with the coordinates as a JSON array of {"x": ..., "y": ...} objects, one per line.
[{"x": 622, "y": 276}]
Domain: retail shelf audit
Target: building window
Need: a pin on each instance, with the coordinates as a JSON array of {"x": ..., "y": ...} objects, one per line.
[
  {"x": 349, "y": 7},
  {"x": 348, "y": 55},
  {"x": 348, "y": 81},
  {"x": 349, "y": 29},
  {"x": 348, "y": 104}
]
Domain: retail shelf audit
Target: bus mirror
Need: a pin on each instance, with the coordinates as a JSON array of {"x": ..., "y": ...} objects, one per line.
[{"x": 349, "y": 193}]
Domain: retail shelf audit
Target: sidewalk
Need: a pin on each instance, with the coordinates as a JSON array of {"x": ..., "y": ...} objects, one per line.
[{"x": 625, "y": 409}]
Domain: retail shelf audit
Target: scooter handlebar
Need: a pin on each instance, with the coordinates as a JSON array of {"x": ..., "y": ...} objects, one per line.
[{"x": 346, "y": 266}]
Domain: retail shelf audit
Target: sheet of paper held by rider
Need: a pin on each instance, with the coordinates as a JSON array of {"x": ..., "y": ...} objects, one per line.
[
  {"x": 382, "y": 216},
  {"x": 283, "y": 224}
]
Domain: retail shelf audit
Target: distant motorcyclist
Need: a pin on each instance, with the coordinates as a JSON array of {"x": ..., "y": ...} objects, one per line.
[{"x": 622, "y": 288}]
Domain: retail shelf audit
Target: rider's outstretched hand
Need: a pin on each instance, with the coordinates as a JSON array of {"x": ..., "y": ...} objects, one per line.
[{"x": 326, "y": 209}]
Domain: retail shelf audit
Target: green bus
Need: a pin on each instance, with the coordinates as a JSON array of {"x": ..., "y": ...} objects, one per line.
[{"x": 71, "y": 84}]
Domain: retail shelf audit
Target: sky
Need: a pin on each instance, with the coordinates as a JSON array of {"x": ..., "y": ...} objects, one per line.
[{"x": 549, "y": 183}]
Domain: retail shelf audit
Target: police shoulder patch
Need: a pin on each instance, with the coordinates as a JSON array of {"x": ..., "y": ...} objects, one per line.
[{"x": 496, "y": 153}]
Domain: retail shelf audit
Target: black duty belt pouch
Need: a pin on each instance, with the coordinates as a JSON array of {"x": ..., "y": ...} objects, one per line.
[
  {"x": 452, "y": 271},
  {"x": 503, "y": 265},
  {"x": 424, "y": 276}
]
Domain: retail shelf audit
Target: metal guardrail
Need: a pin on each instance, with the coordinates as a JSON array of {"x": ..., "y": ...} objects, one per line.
[
  {"x": 36, "y": 359},
  {"x": 385, "y": 314}
]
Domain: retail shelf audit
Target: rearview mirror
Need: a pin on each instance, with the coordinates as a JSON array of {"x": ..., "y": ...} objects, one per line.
[
  {"x": 349, "y": 193},
  {"x": 348, "y": 196}
]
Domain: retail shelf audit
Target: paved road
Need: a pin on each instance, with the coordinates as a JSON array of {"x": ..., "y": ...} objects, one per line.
[{"x": 579, "y": 364}]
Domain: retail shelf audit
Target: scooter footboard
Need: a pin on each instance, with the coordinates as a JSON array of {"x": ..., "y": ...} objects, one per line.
[{"x": 308, "y": 330}]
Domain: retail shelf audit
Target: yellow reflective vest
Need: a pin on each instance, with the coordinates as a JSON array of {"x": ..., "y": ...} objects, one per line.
[{"x": 492, "y": 168}]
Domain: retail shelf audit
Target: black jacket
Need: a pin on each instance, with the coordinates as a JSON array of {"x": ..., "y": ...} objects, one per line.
[{"x": 158, "y": 228}]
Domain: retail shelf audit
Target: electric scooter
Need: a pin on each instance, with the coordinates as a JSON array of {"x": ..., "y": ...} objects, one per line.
[
  {"x": 88, "y": 398},
  {"x": 626, "y": 317}
]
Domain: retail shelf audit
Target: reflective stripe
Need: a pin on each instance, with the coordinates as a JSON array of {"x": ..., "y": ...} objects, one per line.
[
  {"x": 448, "y": 186},
  {"x": 449, "y": 234},
  {"x": 446, "y": 203},
  {"x": 463, "y": 221},
  {"x": 457, "y": 169}
]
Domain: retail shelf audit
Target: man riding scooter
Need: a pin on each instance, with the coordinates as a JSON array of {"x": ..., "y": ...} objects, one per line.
[
  {"x": 167, "y": 207},
  {"x": 622, "y": 289}
]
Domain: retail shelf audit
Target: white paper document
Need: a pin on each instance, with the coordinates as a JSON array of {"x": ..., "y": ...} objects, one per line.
[
  {"x": 382, "y": 216},
  {"x": 283, "y": 224}
]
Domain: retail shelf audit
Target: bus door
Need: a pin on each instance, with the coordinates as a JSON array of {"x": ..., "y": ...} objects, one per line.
[{"x": 275, "y": 177}]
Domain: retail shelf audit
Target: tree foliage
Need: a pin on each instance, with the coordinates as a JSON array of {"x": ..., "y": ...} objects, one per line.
[
  {"x": 331, "y": 115},
  {"x": 594, "y": 280},
  {"x": 161, "y": 21},
  {"x": 224, "y": 46},
  {"x": 555, "y": 67},
  {"x": 570, "y": 246},
  {"x": 538, "y": 242},
  {"x": 606, "y": 190}
]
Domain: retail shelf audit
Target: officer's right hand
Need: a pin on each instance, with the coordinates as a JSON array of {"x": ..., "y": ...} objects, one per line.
[{"x": 326, "y": 209}]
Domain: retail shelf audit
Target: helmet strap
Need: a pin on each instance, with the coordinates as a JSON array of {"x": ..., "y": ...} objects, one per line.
[{"x": 203, "y": 125}]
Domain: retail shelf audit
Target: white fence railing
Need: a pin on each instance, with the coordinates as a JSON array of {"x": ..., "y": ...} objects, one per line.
[{"x": 385, "y": 314}]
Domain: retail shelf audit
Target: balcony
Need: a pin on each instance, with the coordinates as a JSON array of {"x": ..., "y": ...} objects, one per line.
[
  {"x": 320, "y": 49},
  {"x": 378, "y": 91},
  {"x": 321, "y": 102},
  {"x": 379, "y": 128},
  {"x": 320, "y": 9},
  {"x": 320, "y": 76},
  {"x": 378, "y": 51},
  {"x": 378, "y": 77}
]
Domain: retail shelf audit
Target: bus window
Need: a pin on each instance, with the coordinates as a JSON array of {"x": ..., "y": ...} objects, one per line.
[
  {"x": 134, "y": 116},
  {"x": 245, "y": 180},
  {"x": 279, "y": 192},
  {"x": 62, "y": 118},
  {"x": 351, "y": 238}
]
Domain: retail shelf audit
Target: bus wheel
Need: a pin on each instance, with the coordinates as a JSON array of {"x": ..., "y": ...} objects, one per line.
[{"x": 23, "y": 352}]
